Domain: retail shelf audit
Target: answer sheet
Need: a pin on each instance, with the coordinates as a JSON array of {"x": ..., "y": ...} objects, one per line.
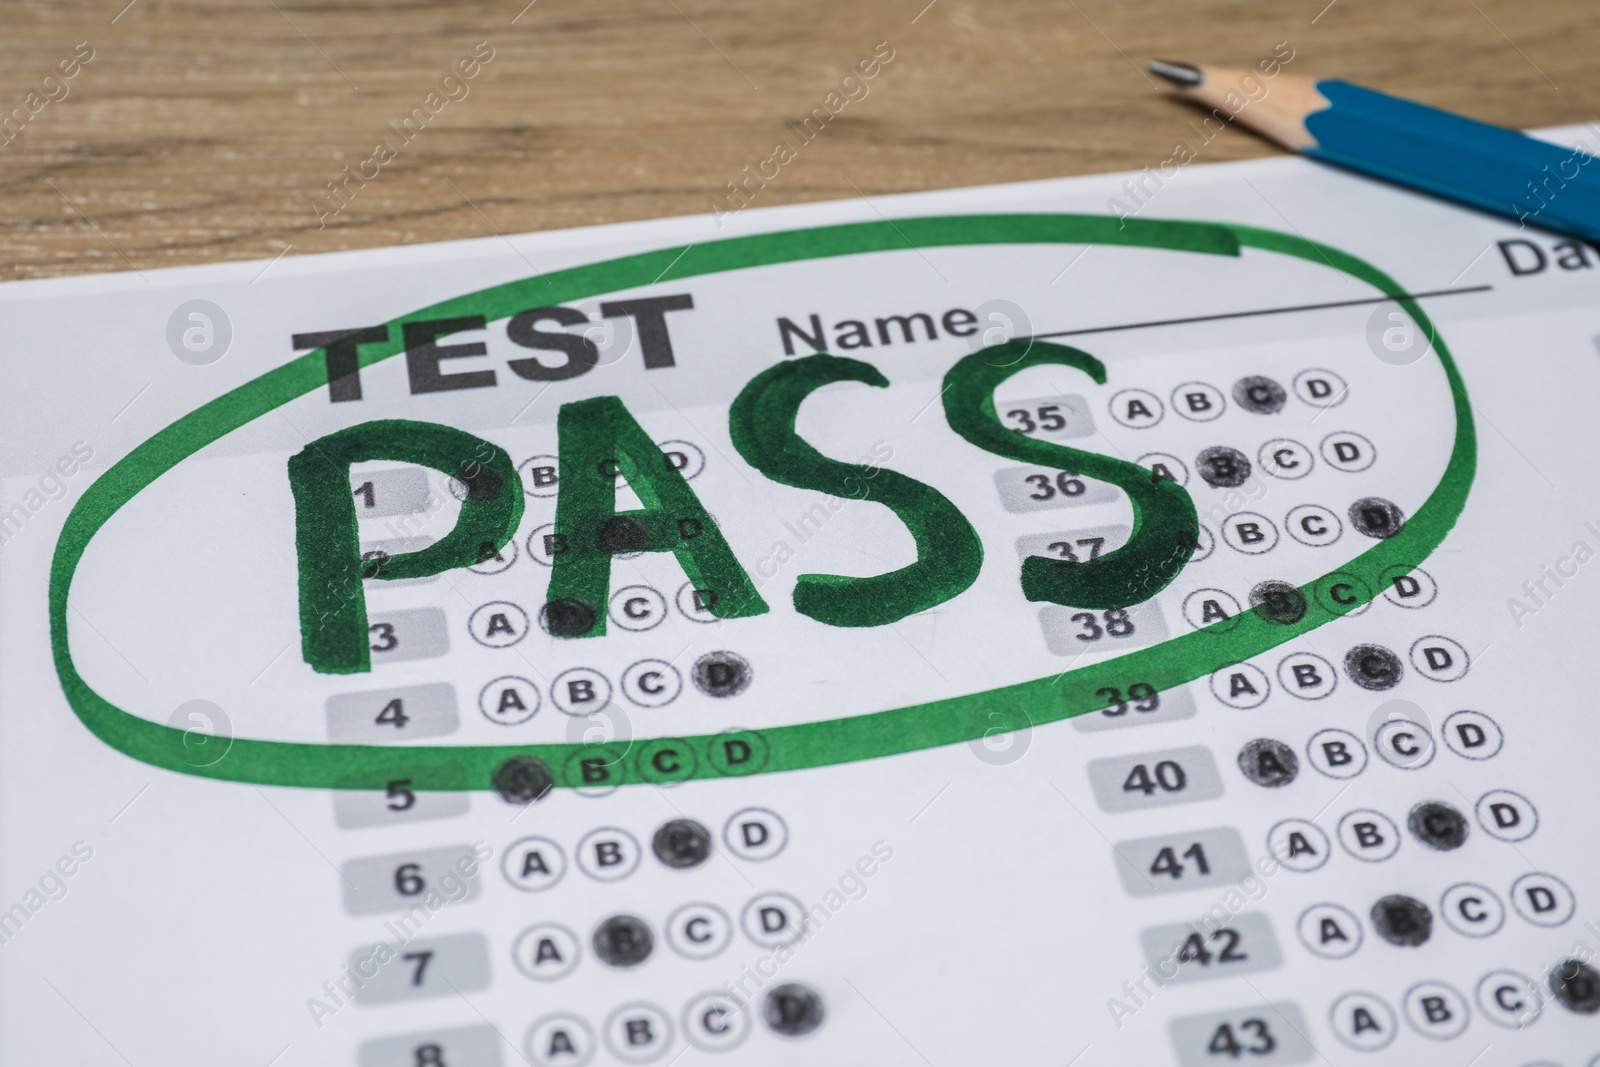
[{"x": 1140, "y": 619}]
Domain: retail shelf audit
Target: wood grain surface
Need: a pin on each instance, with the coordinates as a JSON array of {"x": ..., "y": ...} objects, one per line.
[{"x": 202, "y": 132}]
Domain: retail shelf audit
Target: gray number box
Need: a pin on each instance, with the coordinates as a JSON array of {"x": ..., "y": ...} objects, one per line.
[
  {"x": 374, "y": 884},
  {"x": 1192, "y": 1036},
  {"x": 429, "y": 710},
  {"x": 1070, "y": 408},
  {"x": 396, "y": 546},
  {"x": 1064, "y": 633},
  {"x": 1172, "y": 705},
  {"x": 396, "y": 491},
  {"x": 1113, "y": 538},
  {"x": 422, "y": 968},
  {"x": 1024, "y": 489},
  {"x": 465, "y": 1046},
  {"x": 1244, "y": 944},
  {"x": 358, "y": 809},
  {"x": 419, "y": 633},
  {"x": 1170, "y": 776},
  {"x": 1209, "y": 858}
]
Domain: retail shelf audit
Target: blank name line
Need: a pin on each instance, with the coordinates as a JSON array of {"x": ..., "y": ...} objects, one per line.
[{"x": 1261, "y": 311}]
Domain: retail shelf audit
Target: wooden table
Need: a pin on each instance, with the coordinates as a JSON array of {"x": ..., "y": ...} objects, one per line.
[{"x": 201, "y": 132}]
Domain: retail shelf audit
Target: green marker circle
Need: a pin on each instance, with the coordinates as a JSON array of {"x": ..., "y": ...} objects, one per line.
[{"x": 873, "y": 735}]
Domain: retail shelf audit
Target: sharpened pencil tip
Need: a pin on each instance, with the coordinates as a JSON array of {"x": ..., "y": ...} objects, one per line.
[{"x": 1183, "y": 75}]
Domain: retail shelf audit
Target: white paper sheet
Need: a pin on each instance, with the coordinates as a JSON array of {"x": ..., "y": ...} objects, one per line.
[{"x": 981, "y": 875}]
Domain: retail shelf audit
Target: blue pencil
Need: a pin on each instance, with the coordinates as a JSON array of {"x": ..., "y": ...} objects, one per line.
[{"x": 1496, "y": 170}]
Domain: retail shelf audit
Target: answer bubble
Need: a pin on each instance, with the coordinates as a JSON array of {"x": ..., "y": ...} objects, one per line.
[
  {"x": 1370, "y": 836},
  {"x": 652, "y": 683},
  {"x": 1165, "y": 467},
  {"x": 1436, "y": 1010},
  {"x": 1330, "y": 931},
  {"x": 1223, "y": 467},
  {"x": 698, "y": 603},
  {"x": 1402, "y": 735},
  {"x": 683, "y": 457},
  {"x": 1286, "y": 459},
  {"x": 1337, "y": 753},
  {"x": 715, "y": 1022},
  {"x": 1363, "y": 1021},
  {"x": 596, "y": 769},
  {"x": 541, "y": 475},
  {"x": 738, "y": 752},
  {"x": 698, "y": 931},
  {"x": 1509, "y": 999},
  {"x": 1472, "y": 910},
  {"x": 544, "y": 545},
  {"x": 623, "y": 941},
  {"x": 793, "y": 1010},
  {"x": 1576, "y": 986},
  {"x": 1375, "y": 517},
  {"x": 721, "y": 674},
  {"x": 1210, "y": 607},
  {"x": 498, "y": 624},
  {"x": 1348, "y": 452},
  {"x": 1440, "y": 659},
  {"x": 1342, "y": 594},
  {"x": 1137, "y": 409},
  {"x": 533, "y": 864},
  {"x": 1320, "y": 388},
  {"x": 509, "y": 700},
  {"x": 1438, "y": 825},
  {"x": 774, "y": 919},
  {"x": 1506, "y": 815},
  {"x": 1299, "y": 844},
  {"x": 1313, "y": 524},
  {"x": 1268, "y": 762},
  {"x": 665, "y": 761},
  {"x": 1542, "y": 899},
  {"x": 523, "y": 780},
  {"x": 1402, "y": 743},
  {"x": 608, "y": 854},
  {"x": 1250, "y": 533},
  {"x": 1307, "y": 675},
  {"x": 561, "y": 1039},
  {"x": 1473, "y": 735},
  {"x": 682, "y": 843},
  {"x": 621, "y": 535},
  {"x": 638, "y": 608},
  {"x": 1373, "y": 667},
  {"x": 546, "y": 952},
  {"x": 1408, "y": 587},
  {"x": 755, "y": 834},
  {"x": 1278, "y": 602},
  {"x": 492, "y": 560},
  {"x": 1259, "y": 395},
  {"x": 1242, "y": 686},
  {"x": 1402, "y": 920},
  {"x": 1198, "y": 402},
  {"x": 638, "y": 1033},
  {"x": 568, "y": 616}
]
